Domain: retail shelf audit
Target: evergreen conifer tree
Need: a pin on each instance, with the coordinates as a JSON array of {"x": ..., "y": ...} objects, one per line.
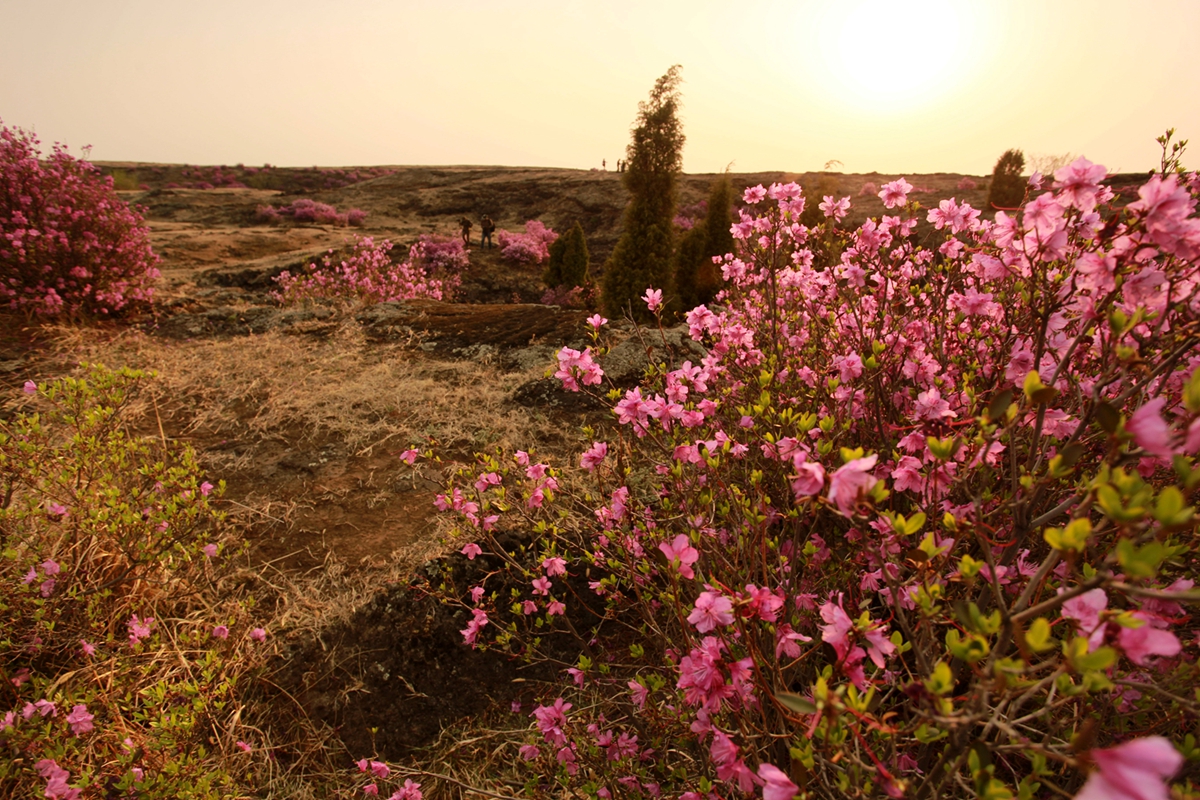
[
  {"x": 643, "y": 255},
  {"x": 568, "y": 263},
  {"x": 697, "y": 278},
  {"x": 1008, "y": 187}
]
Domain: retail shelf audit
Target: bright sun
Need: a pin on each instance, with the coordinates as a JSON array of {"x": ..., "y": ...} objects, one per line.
[{"x": 888, "y": 55}]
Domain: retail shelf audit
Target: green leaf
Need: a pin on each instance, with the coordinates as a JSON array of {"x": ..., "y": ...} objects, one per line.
[
  {"x": 999, "y": 405},
  {"x": 1171, "y": 509},
  {"x": 1073, "y": 537},
  {"x": 1037, "y": 635},
  {"x": 794, "y": 702},
  {"x": 1140, "y": 562},
  {"x": 1037, "y": 392},
  {"x": 942, "y": 679}
]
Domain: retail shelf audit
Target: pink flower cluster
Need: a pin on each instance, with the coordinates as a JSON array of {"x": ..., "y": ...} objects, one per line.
[
  {"x": 306, "y": 210},
  {"x": 530, "y": 247},
  {"x": 367, "y": 276},
  {"x": 68, "y": 244}
]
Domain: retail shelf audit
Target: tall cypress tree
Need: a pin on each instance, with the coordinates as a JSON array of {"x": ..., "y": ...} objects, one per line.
[
  {"x": 697, "y": 278},
  {"x": 642, "y": 256}
]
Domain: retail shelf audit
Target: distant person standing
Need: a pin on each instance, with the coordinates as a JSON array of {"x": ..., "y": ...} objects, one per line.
[
  {"x": 466, "y": 231},
  {"x": 604, "y": 164},
  {"x": 487, "y": 226}
]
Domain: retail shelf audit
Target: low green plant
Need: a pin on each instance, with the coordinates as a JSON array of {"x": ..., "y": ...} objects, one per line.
[
  {"x": 1007, "y": 190},
  {"x": 122, "y": 646}
]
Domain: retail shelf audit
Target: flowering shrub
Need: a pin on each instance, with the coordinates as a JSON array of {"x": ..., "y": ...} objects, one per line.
[
  {"x": 306, "y": 210},
  {"x": 687, "y": 217},
  {"x": 583, "y": 297},
  {"x": 368, "y": 276},
  {"x": 121, "y": 646},
  {"x": 869, "y": 188},
  {"x": 967, "y": 184},
  {"x": 438, "y": 254},
  {"x": 530, "y": 247},
  {"x": 68, "y": 244},
  {"x": 917, "y": 525}
]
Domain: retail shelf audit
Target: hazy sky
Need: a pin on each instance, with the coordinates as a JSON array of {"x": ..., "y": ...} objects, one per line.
[{"x": 887, "y": 85}]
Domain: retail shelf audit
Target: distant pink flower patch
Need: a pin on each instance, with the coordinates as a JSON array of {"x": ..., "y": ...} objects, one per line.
[{"x": 1135, "y": 770}]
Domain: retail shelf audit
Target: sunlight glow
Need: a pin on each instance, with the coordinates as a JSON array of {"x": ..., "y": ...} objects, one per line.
[{"x": 888, "y": 55}]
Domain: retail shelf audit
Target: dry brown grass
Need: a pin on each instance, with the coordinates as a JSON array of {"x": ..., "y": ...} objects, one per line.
[{"x": 366, "y": 395}]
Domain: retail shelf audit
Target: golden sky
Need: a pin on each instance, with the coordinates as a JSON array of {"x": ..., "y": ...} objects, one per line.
[{"x": 894, "y": 86}]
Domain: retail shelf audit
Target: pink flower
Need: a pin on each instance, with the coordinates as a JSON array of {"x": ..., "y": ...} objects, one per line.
[
  {"x": 653, "y": 298},
  {"x": 80, "y": 720},
  {"x": 139, "y": 629},
  {"x": 45, "y": 708},
  {"x": 529, "y": 752},
  {"x": 681, "y": 554},
  {"x": 541, "y": 585},
  {"x": 1150, "y": 430},
  {"x": 210, "y": 550},
  {"x": 409, "y": 457},
  {"x": 593, "y": 456},
  {"x": 1142, "y": 643},
  {"x": 596, "y": 321},
  {"x": 470, "y": 550},
  {"x": 88, "y": 649},
  {"x": 409, "y": 791},
  {"x": 258, "y": 635},
  {"x": 809, "y": 478},
  {"x": 206, "y": 488},
  {"x": 30, "y": 387},
  {"x": 554, "y": 566},
  {"x": 1135, "y": 770},
  {"x": 479, "y": 619},
  {"x": 851, "y": 480},
  {"x": 244, "y": 747},
  {"x": 556, "y": 608},
  {"x": 476, "y": 593},
  {"x": 712, "y": 610},
  {"x": 776, "y": 784},
  {"x": 893, "y": 194},
  {"x": 220, "y": 632}
]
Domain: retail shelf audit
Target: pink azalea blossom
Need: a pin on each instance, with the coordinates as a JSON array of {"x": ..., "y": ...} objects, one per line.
[
  {"x": 1150, "y": 430},
  {"x": 80, "y": 720},
  {"x": 851, "y": 480},
  {"x": 258, "y": 635},
  {"x": 470, "y": 550},
  {"x": 1135, "y": 770},
  {"x": 221, "y": 632},
  {"x": 409, "y": 791},
  {"x": 210, "y": 550},
  {"x": 711, "y": 611},
  {"x": 893, "y": 194},
  {"x": 30, "y": 387},
  {"x": 596, "y": 321},
  {"x": 1141, "y": 644},
  {"x": 653, "y": 298},
  {"x": 593, "y": 456},
  {"x": 681, "y": 554},
  {"x": 243, "y": 746},
  {"x": 409, "y": 457},
  {"x": 776, "y": 784}
]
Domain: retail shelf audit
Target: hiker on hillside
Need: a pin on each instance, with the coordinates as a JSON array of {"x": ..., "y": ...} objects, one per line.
[
  {"x": 466, "y": 231},
  {"x": 485, "y": 240}
]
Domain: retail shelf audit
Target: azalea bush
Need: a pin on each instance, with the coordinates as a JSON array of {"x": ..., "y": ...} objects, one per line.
[
  {"x": 530, "y": 247},
  {"x": 122, "y": 643},
  {"x": 306, "y": 210},
  {"x": 68, "y": 244},
  {"x": 369, "y": 276},
  {"x": 919, "y": 524}
]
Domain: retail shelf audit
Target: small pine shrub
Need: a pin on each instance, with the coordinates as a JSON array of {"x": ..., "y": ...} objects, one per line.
[
  {"x": 697, "y": 278},
  {"x": 568, "y": 261},
  {"x": 1008, "y": 187},
  {"x": 68, "y": 244}
]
